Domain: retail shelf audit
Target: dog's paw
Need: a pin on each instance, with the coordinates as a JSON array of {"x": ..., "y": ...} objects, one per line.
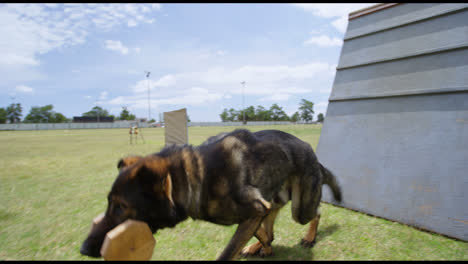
[
  {"x": 265, "y": 252},
  {"x": 251, "y": 250},
  {"x": 307, "y": 243},
  {"x": 256, "y": 249}
]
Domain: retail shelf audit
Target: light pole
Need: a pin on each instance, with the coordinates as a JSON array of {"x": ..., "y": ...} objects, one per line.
[
  {"x": 243, "y": 107},
  {"x": 149, "y": 108},
  {"x": 13, "y": 107},
  {"x": 97, "y": 110}
]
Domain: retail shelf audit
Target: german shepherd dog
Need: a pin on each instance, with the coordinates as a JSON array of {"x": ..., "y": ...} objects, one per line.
[{"x": 239, "y": 178}]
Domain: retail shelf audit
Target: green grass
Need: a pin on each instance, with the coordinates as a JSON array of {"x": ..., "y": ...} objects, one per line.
[{"x": 53, "y": 183}]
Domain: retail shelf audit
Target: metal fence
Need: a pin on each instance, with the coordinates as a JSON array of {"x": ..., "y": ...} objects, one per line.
[
  {"x": 51, "y": 126},
  {"x": 251, "y": 123},
  {"x": 126, "y": 124}
]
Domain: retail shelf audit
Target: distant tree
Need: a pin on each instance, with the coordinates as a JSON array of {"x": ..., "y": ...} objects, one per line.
[
  {"x": 44, "y": 114},
  {"x": 126, "y": 115},
  {"x": 306, "y": 109},
  {"x": 224, "y": 115},
  {"x": 262, "y": 114},
  {"x": 188, "y": 118},
  {"x": 3, "y": 116},
  {"x": 152, "y": 120},
  {"x": 277, "y": 113},
  {"x": 39, "y": 114},
  {"x": 295, "y": 117},
  {"x": 97, "y": 112},
  {"x": 320, "y": 118},
  {"x": 59, "y": 118},
  {"x": 249, "y": 113},
  {"x": 14, "y": 113},
  {"x": 233, "y": 115}
]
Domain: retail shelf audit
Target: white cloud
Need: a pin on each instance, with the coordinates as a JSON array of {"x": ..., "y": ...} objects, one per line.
[
  {"x": 132, "y": 23},
  {"x": 116, "y": 45},
  {"x": 137, "y": 50},
  {"x": 338, "y": 11},
  {"x": 341, "y": 23},
  {"x": 221, "y": 52},
  {"x": 165, "y": 81},
  {"x": 156, "y": 6},
  {"x": 24, "y": 89},
  {"x": 29, "y": 30},
  {"x": 192, "y": 96},
  {"x": 103, "y": 95},
  {"x": 276, "y": 97},
  {"x": 324, "y": 41},
  {"x": 260, "y": 75},
  {"x": 269, "y": 82}
]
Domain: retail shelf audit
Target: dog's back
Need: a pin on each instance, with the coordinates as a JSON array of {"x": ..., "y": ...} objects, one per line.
[{"x": 281, "y": 166}]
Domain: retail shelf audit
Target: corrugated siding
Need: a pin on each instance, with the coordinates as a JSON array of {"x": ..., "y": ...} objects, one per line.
[
  {"x": 397, "y": 16},
  {"x": 444, "y": 33},
  {"x": 435, "y": 72},
  {"x": 396, "y": 128}
]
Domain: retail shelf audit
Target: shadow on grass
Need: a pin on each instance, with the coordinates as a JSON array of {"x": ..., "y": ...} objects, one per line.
[
  {"x": 5, "y": 215},
  {"x": 322, "y": 233},
  {"x": 297, "y": 252}
]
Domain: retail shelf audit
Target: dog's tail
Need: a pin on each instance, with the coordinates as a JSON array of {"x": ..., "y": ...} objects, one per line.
[{"x": 330, "y": 180}]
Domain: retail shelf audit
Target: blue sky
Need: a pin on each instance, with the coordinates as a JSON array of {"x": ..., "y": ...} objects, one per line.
[{"x": 76, "y": 56}]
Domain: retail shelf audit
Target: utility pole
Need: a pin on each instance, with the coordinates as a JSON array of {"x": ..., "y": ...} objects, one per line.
[
  {"x": 149, "y": 107},
  {"x": 243, "y": 107}
]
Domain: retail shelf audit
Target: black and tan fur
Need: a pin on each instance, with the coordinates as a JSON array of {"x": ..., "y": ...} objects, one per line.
[{"x": 239, "y": 178}]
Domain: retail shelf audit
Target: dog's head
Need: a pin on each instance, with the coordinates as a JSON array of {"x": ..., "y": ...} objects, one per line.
[{"x": 142, "y": 191}]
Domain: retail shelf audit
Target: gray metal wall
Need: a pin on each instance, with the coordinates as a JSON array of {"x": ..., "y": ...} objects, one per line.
[{"x": 396, "y": 128}]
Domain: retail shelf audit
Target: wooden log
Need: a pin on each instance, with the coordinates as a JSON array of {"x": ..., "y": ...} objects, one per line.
[{"x": 131, "y": 240}]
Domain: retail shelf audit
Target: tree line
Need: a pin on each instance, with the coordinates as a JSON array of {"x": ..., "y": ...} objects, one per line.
[
  {"x": 46, "y": 114},
  {"x": 305, "y": 113}
]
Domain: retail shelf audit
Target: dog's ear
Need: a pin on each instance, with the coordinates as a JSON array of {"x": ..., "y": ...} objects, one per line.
[
  {"x": 167, "y": 187},
  {"x": 127, "y": 161},
  {"x": 154, "y": 173}
]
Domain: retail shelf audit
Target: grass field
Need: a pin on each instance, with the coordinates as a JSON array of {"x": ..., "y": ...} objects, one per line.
[{"x": 53, "y": 183}]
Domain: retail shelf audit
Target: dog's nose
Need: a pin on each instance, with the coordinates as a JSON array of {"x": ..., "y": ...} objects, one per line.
[
  {"x": 87, "y": 251},
  {"x": 84, "y": 250}
]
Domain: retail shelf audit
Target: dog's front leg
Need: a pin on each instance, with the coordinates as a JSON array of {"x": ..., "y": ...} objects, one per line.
[{"x": 244, "y": 232}]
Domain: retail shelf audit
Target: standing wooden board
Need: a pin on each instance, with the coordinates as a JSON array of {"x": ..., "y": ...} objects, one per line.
[{"x": 176, "y": 127}]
